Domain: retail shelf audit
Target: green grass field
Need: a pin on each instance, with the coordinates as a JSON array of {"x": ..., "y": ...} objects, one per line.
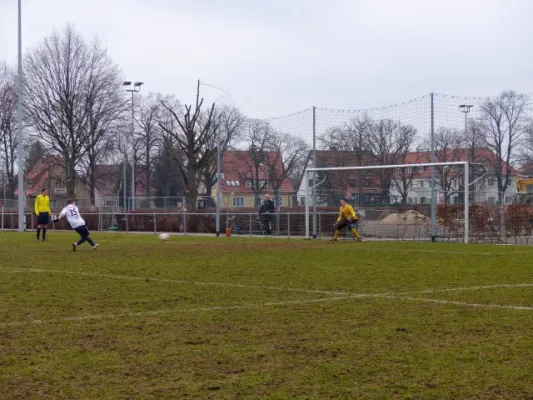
[{"x": 241, "y": 318}]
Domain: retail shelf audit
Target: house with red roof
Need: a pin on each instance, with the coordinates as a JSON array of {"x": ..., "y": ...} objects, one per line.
[
  {"x": 49, "y": 173},
  {"x": 450, "y": 179},
  {"x": 247, "y": 176},
  {"x": 360, "y": 187},
  {"x": 109, "y": 186}
]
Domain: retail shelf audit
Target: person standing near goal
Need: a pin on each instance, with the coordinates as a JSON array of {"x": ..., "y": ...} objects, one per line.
[
  {"x": 347, "y": 219},
  {"x": 266, "y": 213},
  {"x": 42, "y": 210},
  {"x": 72, "y": 212}
]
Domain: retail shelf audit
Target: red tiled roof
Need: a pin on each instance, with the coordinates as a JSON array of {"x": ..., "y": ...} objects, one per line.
[
  {"x": 238, "y": 166},
  {"x": 482, "y": 155},
  {"x": 38, "y": 175}
]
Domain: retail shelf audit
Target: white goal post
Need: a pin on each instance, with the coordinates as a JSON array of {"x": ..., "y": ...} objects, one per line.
[{"x": 309, "y": 171}]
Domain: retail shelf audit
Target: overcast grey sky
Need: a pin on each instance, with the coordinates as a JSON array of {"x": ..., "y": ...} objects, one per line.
[{"x": 279, "y": 56}]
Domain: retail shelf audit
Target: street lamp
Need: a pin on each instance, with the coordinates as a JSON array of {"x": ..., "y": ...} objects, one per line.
[
  {"x": 465, "y": 109},
  {"x": 133, "y": 89}
]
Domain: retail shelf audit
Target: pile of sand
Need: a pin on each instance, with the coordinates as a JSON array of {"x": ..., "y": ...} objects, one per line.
[{"x": 410, "y": 217}]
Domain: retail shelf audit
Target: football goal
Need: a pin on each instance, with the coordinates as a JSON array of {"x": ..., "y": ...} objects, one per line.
[{"x": 430, "y": 199}]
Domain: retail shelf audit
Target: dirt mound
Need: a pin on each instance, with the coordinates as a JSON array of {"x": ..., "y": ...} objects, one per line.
[{"x": 407, "y": 218}]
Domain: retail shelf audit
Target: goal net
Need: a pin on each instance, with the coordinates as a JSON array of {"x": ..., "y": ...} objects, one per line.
[{"x": 412, "y": 201}]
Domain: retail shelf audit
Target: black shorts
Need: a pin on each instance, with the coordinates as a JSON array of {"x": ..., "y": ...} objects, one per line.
[
  {"x": 346, "y": 224},
  {"x": 43, "y": 218},
  {"x": 83, "y": 231}
]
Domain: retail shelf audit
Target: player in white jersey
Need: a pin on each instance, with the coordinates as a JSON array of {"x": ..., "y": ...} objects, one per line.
[{"x": 72, "y": 213}]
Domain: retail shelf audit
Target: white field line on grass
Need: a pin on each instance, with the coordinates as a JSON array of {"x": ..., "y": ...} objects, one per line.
[
  {"x": 340, "y": 296},
  {"x": 180, "y": 282},
  {"x": 459, "y": 289},
  {"x": 188, "y": 310},
  {"x": 257, "y": 287},
  {"x": 260, "y": 305},
  {"x": 457, "y": 303}
]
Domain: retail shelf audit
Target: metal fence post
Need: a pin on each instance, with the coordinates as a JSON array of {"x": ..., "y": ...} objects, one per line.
[
  {"x": 155, "y": 224},
  {"x": 2, "y": 217},
  {"x": 184, "y": 223},
  {"x": 503, "y": 230},
  {"x": 250, "y": 225},
  {"x": 289, "y": 224}
]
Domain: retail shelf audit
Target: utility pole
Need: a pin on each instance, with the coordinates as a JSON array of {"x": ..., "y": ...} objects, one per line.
[{"x": 22, "y": 194}]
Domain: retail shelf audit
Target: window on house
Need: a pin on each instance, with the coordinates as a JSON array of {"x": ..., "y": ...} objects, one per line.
[
  {"x": 248, "y": 183},
  {"x": 238, "y": 202},
  {"x": 409, "y": 200},
  {"x": 492, "y": 200},
  {"x": 421, "y": 169},
  {"x": 397, "y": 170},
  {"x": 490, "y": 182},
  {"x": 423, "y": 200},
  {"x": 409, "y": 170},
  {"x": 421, "y": 183}
]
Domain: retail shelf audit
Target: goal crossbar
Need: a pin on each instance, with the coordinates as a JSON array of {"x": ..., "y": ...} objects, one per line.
[
  {"x": 438, "y": 164},
  {"x": 465, "y": 165}
]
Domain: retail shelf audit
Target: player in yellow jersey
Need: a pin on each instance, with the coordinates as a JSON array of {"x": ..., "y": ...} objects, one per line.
[
  {"x": 42, "y": 210},
  {"x": 347, "y": 219}
]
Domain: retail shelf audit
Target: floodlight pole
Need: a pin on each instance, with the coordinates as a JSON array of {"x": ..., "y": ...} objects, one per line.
[
  {"x": 465, "y": 109},
  {"x": 133, "y": 88},
  {"x": 20, "y": 138}
]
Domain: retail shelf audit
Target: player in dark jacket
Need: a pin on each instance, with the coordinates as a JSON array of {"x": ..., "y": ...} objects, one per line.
[{"x": 266, "y": 213}]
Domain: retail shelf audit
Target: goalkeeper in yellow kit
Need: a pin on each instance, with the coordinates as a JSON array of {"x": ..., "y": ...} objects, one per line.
[{"x": 347, "y": 218}]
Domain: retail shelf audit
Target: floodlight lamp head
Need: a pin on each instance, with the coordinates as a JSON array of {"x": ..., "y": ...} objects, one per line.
[
  {"x": 127, "y": 83},
  {"x": 138, "y": 84},
  {"x": 465, "y": 107}
]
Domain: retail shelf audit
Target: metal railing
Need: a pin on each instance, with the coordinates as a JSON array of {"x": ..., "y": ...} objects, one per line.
[{"x": 488, "y": 223}]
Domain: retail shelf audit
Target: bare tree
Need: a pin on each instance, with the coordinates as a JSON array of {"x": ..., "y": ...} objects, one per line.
[
  {"x": 404, "y": 178},
  {"x": 230, "y": 125},
  {"x": 149, "y": 136},
  {"x": 71, "y": 96},
  {"x": 449, "y": 147},
  {"x": 8, "y": 127},
  {"x": 259, "y": 136},
  {"x": 504, "y": 124},
  {"x": 192, "y": 131},
  {"x": 34, "y": 151},
  {"x": 348, "y": 147},
  {"x": 287, "y": 152},
  {"x": 389, "y": 142}
]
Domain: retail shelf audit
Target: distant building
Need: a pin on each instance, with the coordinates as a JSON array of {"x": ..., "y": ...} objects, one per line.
[{"x": 245, "y": 182}]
